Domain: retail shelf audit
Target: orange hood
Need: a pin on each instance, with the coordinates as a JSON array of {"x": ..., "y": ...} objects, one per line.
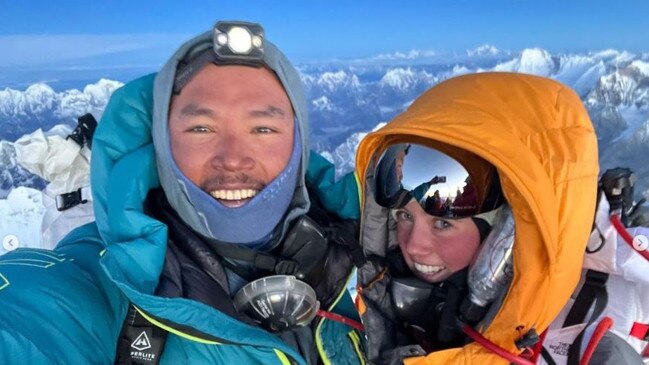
[{"x": 538, "y": 135}]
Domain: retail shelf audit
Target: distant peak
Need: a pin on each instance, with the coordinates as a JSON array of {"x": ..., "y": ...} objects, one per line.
[
  {"x": 641, "y": 66},
  {"x": 39, "y": 89},
  {"x": 484, "y": 50},
  {"x": 411, "y": 55}
]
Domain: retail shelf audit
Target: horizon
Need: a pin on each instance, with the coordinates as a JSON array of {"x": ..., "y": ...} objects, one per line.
[{"x": 74, "y": 38}]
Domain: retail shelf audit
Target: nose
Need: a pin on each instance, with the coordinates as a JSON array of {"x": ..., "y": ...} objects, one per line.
[
  {"x": 233, "y": 153},
  {"x": 421, "y": 240}
]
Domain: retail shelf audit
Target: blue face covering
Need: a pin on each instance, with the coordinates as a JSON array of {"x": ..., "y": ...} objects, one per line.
[{"x": 253, "y": 223}]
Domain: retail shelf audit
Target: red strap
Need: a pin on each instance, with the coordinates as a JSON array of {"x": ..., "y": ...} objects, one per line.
[
  {"x": 599, "y": 332},
  {"x": 484, "y": 342},
  {"x": 640, "y": 330},
  {"x": 340, "y": 318},
  {"x": 615, "y": 220}
]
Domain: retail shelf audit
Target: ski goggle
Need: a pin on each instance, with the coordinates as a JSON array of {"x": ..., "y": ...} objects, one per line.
[{"x": 441, "y": 185}]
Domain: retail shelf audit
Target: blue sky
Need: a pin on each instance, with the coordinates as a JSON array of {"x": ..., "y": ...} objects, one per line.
[{"x": 83, "y": 35}]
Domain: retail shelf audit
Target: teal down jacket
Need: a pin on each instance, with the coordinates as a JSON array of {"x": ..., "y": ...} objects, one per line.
[{"x": 67, "y": 306}]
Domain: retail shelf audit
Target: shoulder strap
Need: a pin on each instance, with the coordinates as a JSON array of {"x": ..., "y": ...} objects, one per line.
[
  {"x": 592, "y": 293},
  {"x": 258, "y": 259},
  {"x": 344, "y": 232}
]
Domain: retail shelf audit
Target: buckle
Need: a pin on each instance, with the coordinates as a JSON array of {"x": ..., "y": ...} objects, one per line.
[
  {"x": 287, "y": 267},
  {"x": 66, "y": 201},
  {"x": 596, "y": 278},
  {"x": 84, "y": 131}
]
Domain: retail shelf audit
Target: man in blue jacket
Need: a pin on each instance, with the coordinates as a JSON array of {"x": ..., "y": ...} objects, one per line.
[{"x": 199, "y": 189}]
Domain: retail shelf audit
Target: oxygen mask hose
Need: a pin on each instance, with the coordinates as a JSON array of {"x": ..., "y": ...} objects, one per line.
[
  {"x": 484, "y": 342},
  {"x": 621, "y": 230}
]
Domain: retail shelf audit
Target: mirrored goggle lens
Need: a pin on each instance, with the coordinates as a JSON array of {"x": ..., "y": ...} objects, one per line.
[{"x": 440, "y": 184}]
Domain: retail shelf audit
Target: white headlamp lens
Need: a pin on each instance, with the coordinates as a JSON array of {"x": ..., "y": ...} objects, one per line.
[
  {"x": 222, "y": 39},
  {"x": 239, "y": 40},
  {"x": 256, "y": 41}
]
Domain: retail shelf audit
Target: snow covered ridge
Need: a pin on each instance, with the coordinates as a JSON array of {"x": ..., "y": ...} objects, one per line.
[
  {"x": 21, "y": 211},
  {"x": 13, "y": 175},
  {"x": 39, "y": 106},
  {"x": 348, "y": 98},
  {"x": 614, "y": 86}
]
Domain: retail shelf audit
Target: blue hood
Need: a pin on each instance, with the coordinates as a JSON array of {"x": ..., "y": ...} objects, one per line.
[
  {"x": 175, "y": 186},
  {"x": 122, "y": 173}
]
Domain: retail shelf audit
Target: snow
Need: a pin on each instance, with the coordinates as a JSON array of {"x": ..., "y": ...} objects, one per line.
[
  {"x": 614, "y": 56},
  {"x": 22, "y": 213},
  {"x": 347, "y": 101},
  {"x": 459, "y": 70},
  {"x": 636, "y": 119},
  {"x": 93, "y": 99},
  {"x": 59, "y": 130},
  {"x": 337, "y": 80},
  {"x": 589, "y": 79},
  {"x": 572, "y": 68},
  {"x": 413, "y": 54},
  {"x": 641, "y": 66},
  {"x": 39, "y": 98},
  {"x": 36, "y": 99},
  {"x": 344, "y": 155},
  {"x": 618, "y": 88},
  {"x": 482, "y": 51},
  {"x": 533, "y": 61},
  {"x": 323, "y": 104},
  {"x": 405, "y": 78}
]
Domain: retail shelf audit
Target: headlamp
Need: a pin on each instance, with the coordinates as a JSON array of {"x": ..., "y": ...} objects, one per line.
[
  {"x": 233, "y": 43},
  {"x": 239, "y": 42}
]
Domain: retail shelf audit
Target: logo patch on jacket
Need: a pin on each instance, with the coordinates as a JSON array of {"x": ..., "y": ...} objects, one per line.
[
  {"x": 144, "y": 348},
  {"x": 142, "y": 342}
]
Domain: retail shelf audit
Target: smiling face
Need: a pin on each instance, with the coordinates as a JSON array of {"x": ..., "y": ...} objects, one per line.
[
  {"x": 231, "y": 131},
  {"x": 434, "y": 248}
]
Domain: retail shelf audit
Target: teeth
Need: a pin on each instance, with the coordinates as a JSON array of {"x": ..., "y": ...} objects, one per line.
[
  {"x": 234, "y": 194},
  {"x": 427, "y": 269}
]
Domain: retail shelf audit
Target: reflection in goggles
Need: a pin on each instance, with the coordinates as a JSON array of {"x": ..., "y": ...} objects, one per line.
[{"x": 440, "y": 184}]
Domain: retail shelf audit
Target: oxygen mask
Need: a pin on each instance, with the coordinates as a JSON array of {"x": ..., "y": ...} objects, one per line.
[{"x": 278, "y": 302}]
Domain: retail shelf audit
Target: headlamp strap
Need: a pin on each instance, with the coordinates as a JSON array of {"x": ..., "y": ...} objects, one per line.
[{"x": 187, "y": 70}]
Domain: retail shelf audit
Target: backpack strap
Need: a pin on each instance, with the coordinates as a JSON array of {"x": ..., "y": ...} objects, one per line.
[
  {"x": 342, "y": 232},
  {"x": 547, "y": 357},
  {"x": 592, "y": 293}
]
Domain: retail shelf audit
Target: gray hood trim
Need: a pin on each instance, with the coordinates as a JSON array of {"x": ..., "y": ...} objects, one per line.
[{"x": 162, "y": 93}]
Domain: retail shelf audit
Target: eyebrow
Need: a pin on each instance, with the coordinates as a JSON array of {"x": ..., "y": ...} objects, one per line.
[
  {"x": 194, "y": 110},
  {"x": 268, "y": 111}
]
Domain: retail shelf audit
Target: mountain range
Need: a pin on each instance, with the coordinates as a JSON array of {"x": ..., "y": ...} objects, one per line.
[{"x": 348, "y": 98}]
